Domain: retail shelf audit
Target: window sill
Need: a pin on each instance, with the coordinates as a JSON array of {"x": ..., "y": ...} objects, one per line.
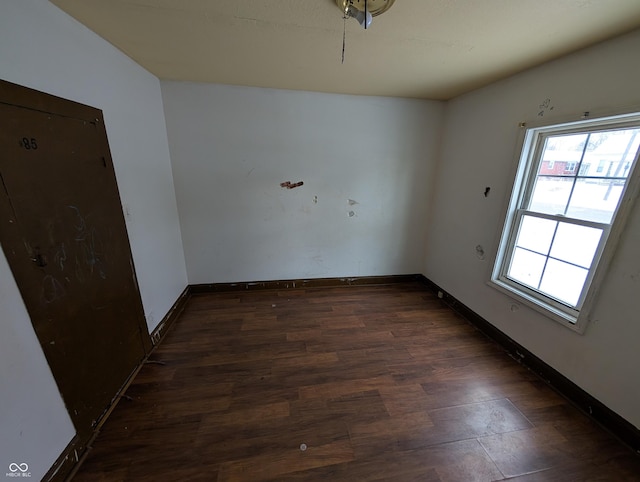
[{"x": 574, "y": 323}]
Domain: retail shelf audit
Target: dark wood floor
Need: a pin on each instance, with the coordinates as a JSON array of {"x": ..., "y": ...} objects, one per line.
[{"x": 381, "y": 383}]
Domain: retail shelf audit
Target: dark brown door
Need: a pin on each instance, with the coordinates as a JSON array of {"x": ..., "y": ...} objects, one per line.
[{"x": 63, "y": 233}]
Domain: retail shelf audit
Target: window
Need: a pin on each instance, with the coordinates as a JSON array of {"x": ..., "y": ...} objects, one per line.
[{"x": 558, "y": 230}]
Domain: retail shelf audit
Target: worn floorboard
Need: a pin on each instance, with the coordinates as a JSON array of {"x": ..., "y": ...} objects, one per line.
[{"x": 380, "y": 383}]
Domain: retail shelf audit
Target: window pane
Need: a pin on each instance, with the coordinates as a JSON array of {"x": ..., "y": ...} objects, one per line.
[
  {"x": 611, "y": 153},
  {"x": 526, "y": 267},
  {"x": 576, "y": 244},
  {"x": 562, "y": 155},
  {"x": 551, "y": 195},
  {"x": 563, "y": 281},
  {"x": 595, "y": 199},
  {"x": 536, "y": 234}
]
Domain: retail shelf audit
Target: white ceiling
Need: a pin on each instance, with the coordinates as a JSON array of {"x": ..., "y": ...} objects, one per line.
[{"x": 434, "y": 49}]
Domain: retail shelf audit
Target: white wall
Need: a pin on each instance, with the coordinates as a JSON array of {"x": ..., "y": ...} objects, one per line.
[
  {"x": 43, "y": 48},
  {"x": 34, "y": 424},
  {"x": 479, "y": 150},
  {"x": 231, "y": 147}
]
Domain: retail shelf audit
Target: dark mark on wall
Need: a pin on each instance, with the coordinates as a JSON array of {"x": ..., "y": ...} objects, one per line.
[
  {"x": 290, "y": 185},
  {"x": 544, "y": 107},
  {"x": 486, "y": 191}
]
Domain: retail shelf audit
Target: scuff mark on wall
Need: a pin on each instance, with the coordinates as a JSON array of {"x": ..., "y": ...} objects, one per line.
[
  {"x": 352, "y": 202},
  {"x": 545, "y": 106},
  {"x": 290, "y": 185}
]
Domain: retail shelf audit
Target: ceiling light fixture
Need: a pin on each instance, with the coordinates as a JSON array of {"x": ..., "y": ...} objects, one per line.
[
  {"x": 363, "y": 18},
  {"x": 363, "y": 11}
]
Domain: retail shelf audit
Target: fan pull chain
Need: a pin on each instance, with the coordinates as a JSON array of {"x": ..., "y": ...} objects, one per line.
[
  {"x": 365, "y": 13},
  {"x": 344, "y": 35}
]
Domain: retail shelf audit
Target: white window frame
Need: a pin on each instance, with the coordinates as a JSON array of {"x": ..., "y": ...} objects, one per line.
[{"x": 525, "y": 176}]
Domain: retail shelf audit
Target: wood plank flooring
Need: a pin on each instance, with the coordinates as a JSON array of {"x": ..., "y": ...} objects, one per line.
[{"x": 380, "y": 383}]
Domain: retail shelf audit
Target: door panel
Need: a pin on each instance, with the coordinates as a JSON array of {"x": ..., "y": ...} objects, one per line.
[{"x": 63, "y": 233}]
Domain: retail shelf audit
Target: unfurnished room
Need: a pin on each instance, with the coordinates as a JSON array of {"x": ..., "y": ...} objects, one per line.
[{"x": 300, "y": 240}]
